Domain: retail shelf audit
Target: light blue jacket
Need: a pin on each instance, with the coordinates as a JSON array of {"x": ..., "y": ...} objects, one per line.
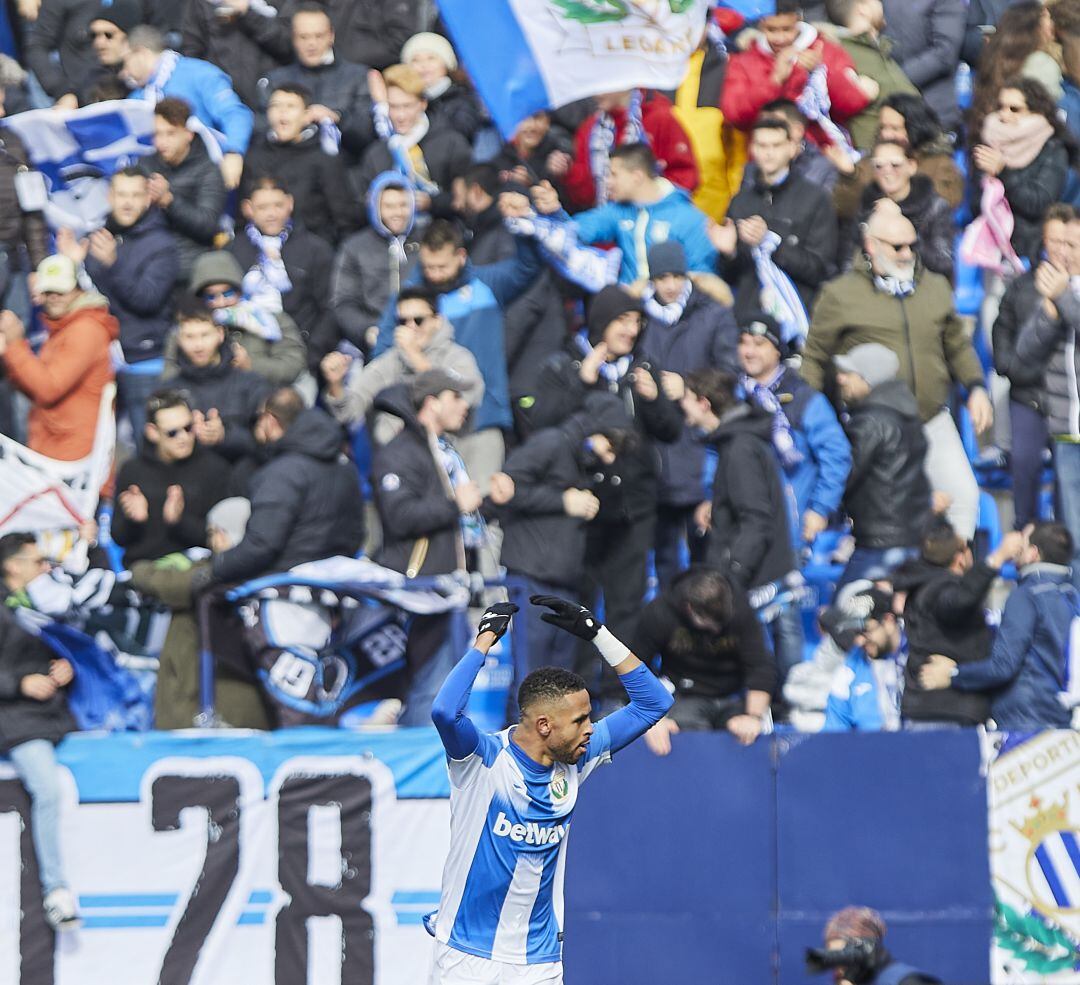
[
  {"x": 209, "y": 92},
  {"x": 857, "y": 702},
  {"x": 634, "y": 228}
]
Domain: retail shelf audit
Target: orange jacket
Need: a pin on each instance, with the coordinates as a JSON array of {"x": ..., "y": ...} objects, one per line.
[{"x": 65, "y": 380}]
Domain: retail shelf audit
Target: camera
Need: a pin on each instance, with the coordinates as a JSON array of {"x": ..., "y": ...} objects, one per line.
[{"x": 858, "y": 958}]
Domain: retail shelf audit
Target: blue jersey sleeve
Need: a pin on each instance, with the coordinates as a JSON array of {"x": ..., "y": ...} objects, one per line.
[
  {"x": 649, "y": 702},
  {"x": 460, "y": 737}
]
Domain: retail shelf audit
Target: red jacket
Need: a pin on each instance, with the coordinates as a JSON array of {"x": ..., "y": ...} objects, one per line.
[
  {"x": 667, "y": 139},
  {"x": 65, "y": 380},
  {"x": 749, "y": 84}
]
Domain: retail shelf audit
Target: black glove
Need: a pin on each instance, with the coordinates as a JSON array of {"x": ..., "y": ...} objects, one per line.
[
  {"x": 496, "y": 619},
  {"x": 566, "y": 615}
]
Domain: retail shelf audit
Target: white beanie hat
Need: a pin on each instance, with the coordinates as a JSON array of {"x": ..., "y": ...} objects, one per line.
[{"x": 435, "y": 43}]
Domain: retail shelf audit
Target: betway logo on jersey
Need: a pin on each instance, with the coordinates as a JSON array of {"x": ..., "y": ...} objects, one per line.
[{"x": 531, "y": 834}]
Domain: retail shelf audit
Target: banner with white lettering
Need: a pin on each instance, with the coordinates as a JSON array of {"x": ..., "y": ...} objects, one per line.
[
  {"x": 306, "y": 857},
  {"x": 1034, "y": 793}
]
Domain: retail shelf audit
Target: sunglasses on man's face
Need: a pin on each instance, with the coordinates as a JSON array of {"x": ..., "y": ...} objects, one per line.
[
  {"x": 183, "y": 429},
  {"x": 107, "y": 35}
]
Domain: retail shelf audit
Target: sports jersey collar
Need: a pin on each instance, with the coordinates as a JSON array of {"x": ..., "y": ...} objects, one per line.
[{"x": 524, "y": 759}]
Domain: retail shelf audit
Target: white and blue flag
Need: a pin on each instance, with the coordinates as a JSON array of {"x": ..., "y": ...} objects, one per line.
[
  {"x": 529, "y": 55},
  {"x": 77, "y": 151}
]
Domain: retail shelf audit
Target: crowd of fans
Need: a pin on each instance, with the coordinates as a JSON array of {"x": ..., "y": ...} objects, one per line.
[{"x": 343, "y": 314}]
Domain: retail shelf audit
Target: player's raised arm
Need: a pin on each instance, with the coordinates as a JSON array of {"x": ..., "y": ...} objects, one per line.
[
  {"x": 460, "y": 737},
  {"x": 649, "y": 699}
]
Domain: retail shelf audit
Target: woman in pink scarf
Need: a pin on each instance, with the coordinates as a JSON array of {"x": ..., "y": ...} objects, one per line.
[{"x": 1025, "y": 146}]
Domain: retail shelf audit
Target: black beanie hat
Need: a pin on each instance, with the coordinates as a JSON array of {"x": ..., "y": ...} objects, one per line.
[
  {"x": 125, "y": 14},
  {"x": 606, "y": 306},
  {"x": 666, "y": 258},
  {"x": 759, "y": 323}
]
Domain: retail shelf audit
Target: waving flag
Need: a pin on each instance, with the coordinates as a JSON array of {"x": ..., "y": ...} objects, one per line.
[
  {"x": 76, "y": 150},
  {"x": 529, "y": 55}
]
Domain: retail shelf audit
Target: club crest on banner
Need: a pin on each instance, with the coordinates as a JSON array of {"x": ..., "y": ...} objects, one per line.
[
  {"x": 657, "y": 28},
  {"x": 1035, "y": 859}
]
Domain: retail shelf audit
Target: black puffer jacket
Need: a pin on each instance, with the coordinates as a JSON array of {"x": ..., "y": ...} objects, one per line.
[
  {"x": 802, "y": 215},
  {"x": 1031, "y": 191},
  {"x": 140, "y": 284},
  {"x": 22, "y": 718},
  {"x": 246, "y": 46},
  {"x": 316, "y": 181},
  {"x": 420, "y": 519},
  {"x": 1027, "y": 378},
  {"x": 305, "y": 504},
  {"x": 457, "y": 109},
  {"x": 308, "y": 261},
  {"x": 561, "y": 392},
  {"x": 944, "y": 614},
  {"x": 929, "y": 213},
  {"x": 62, "y": 26},
  {"x": 750, "y": 540},
  {"x": 340, "y": 86},
  {"x": 539, "y": 539},
  {"x": 705, "y": 337},
  {"x": 194, "y": 215},
  {"x": 371, "y": 32},
  {"x": 234, "y": 393},
  {"x": 18, "y": 228},
  {"x": 888, "y": 495}
]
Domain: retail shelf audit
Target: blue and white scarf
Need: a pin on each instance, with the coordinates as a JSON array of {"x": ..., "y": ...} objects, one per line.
[
  {"x": 584, "y": 265},
  {"x": 669, "y": 314},
  {"x": 154, "y": 90},
  {"x": 610, "y": 372},
  {"x": 763, "y": 396},
  {"x": 604, "y": 137},
  {"x": 815, "y": 103},
  {"x": 472, "y": 529},
  {"x": 247, "y": 316},
  {"x": 779, "y": 296},
  {"x": 268, "y": 280},
  {"x": 399, "y": 144}
]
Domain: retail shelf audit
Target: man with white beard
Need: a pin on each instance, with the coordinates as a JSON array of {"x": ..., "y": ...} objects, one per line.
[{"x": 890, "y": 299}]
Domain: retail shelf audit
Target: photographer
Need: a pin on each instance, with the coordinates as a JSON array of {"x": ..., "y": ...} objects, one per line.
[{"x": 855, "y": 952}]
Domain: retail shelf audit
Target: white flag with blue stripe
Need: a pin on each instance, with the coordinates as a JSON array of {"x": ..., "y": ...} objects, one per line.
[
  {"x": 76, "y": 151},
  {"x": 528, "y": 55}
]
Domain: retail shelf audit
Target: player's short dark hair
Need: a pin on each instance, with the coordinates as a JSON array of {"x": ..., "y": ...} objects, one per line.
[
  {"x": 442, "y": 233},
  {"x": 132, "y": 171},
  {"x": 267, "y": 182},
  {"x": 1054, "y": 543},
  {"x": 11, "y": 544},
  {"x": 637, "y": 157},
  {"x": 548, "y": 684}
]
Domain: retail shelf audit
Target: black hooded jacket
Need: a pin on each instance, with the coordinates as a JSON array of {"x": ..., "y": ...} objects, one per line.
[
  {"x": 560, "y": 392},
  {"x": 888, "y": 494},
  {"x": 234, "y": 393},
  {"x": 944, "y": 614},
  {"x": 750, "y": 539},
  {"x": 305, "y": 504},
  {"x": 419, "y": 515},
  {"x": 702, "y": 662},
  {"x": 540, "y": 540}
]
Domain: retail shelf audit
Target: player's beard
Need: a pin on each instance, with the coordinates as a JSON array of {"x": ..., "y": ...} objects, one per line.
[{"x": 568, "y": 754}]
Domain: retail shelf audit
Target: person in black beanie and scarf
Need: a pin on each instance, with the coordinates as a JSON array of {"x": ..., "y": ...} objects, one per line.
[{"x": 605, "y": 357}]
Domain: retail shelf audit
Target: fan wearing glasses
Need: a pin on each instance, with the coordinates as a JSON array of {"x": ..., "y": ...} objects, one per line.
[
  {"x": 166, "y": 491},
  {"x": 423, "y": 340},
  {"x": 895, "y": 178}
]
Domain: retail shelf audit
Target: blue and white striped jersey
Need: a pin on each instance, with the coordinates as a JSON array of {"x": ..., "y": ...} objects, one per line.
[{"x": 502, "y": 891}]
